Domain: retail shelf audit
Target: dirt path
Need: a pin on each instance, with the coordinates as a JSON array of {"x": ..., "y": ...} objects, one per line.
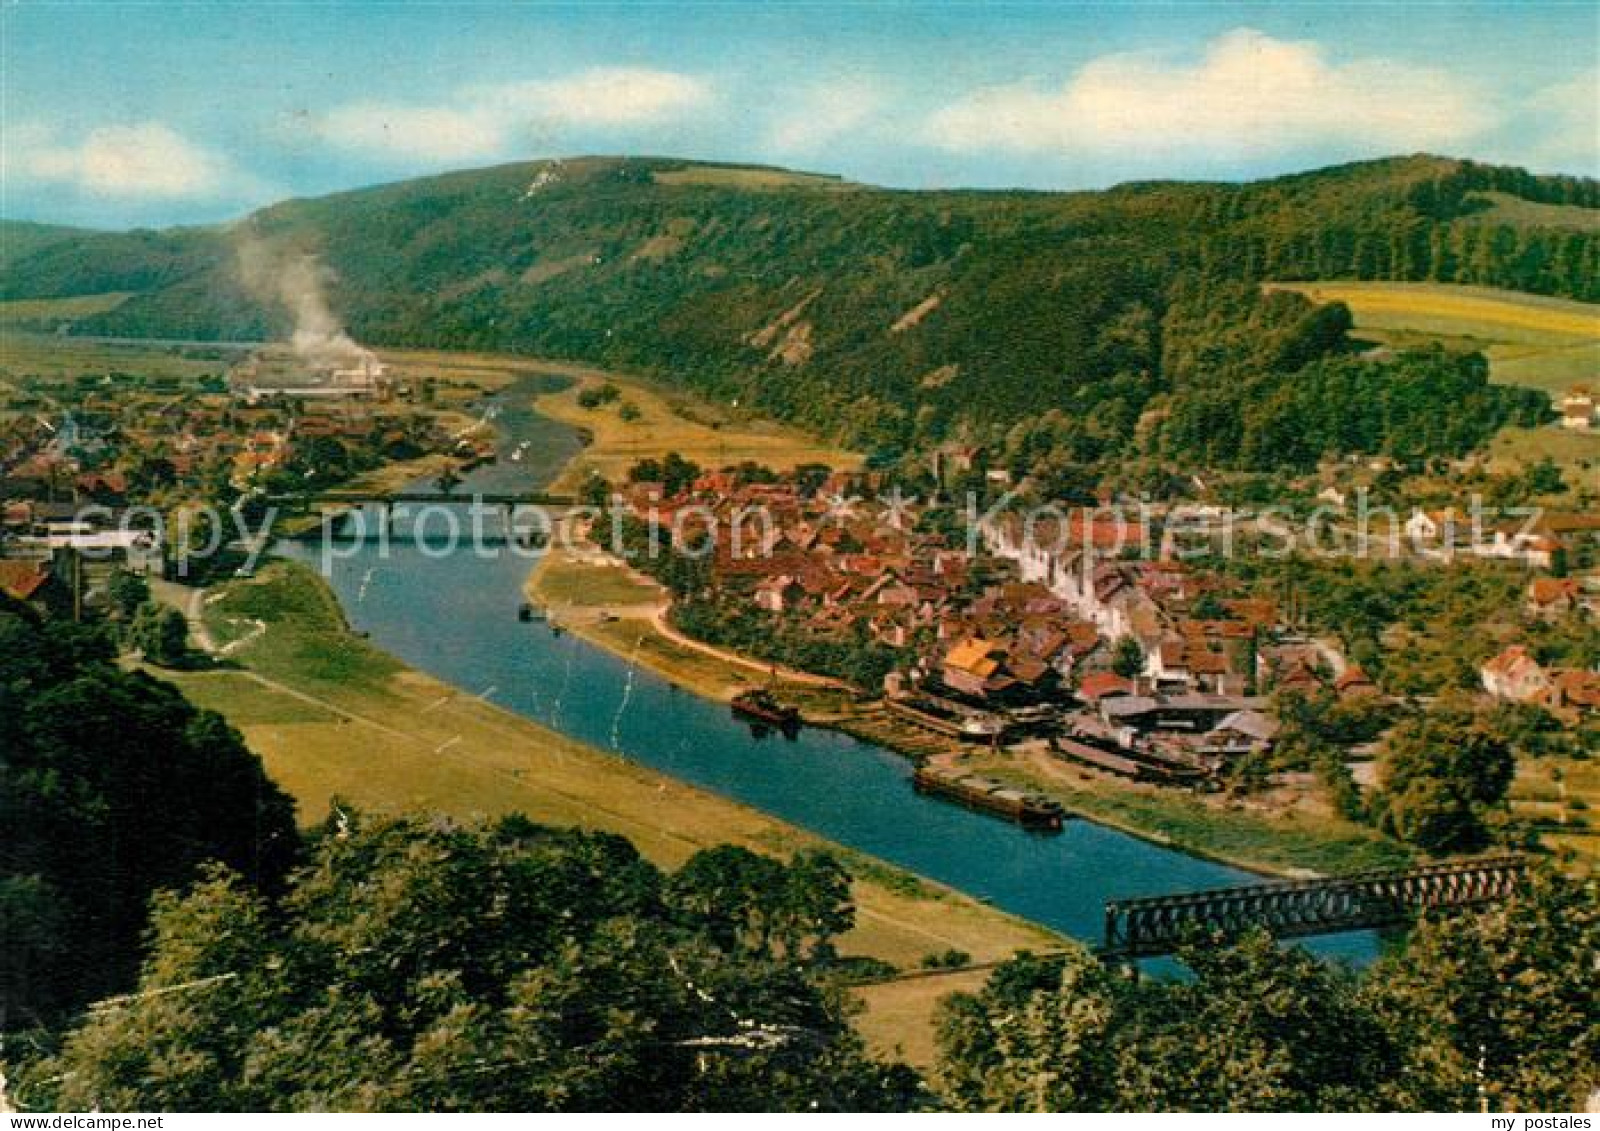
[
  {"x": 190, "y": 601},
  {"x": 658, "y": 619},
  {"x": 313, "y": 700}
]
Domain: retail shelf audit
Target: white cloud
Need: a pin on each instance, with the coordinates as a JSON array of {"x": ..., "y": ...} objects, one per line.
[
  {"x": 1248, "y": 95},
  {"x": 1561, "y": 126},
  {"x": 146, "y": 160},
  {"x": 825, "y": 113},
  {"x": 489, "y": 121},
  {"x": 426, "y": 132},
  {"x": 602, "y": 96}
]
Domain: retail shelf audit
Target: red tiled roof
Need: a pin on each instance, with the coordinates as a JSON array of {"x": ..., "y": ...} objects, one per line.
[
  {"x": 1097, "y": 685},
  {"x": 21, "y": 580},
  {"x": 1549, "y": 590}
]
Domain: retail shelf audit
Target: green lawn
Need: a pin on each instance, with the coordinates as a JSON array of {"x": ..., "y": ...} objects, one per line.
[
  {"x": 307, "y": 641},
  {"x": 561, "y": 582},
  {"x": 1284, "y": 842}
]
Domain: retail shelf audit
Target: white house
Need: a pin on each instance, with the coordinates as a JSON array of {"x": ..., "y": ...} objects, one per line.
[
  {"x": 1514, "y": 675},
  {"x": 1579, "y": 408}
]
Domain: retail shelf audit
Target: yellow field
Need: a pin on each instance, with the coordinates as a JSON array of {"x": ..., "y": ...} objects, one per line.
[
  {"x": 1567, "y": 794},
  {"x": 1530, "y": 340},
  {"x": 671, "y": 422},
  {"x": 561, "y": 582},
  {"x": 1472, "y": 312},
  {"x": 61, "y": 309},
  {"x": 895, "y": 1011}
]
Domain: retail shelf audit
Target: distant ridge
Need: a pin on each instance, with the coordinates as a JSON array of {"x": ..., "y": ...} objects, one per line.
[{"x": 785, "y": 289}]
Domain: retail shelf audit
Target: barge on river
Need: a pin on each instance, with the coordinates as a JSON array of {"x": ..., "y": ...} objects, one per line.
[
  {"x": 763, "y": 707},
  {"x": 989, "y": 796}
]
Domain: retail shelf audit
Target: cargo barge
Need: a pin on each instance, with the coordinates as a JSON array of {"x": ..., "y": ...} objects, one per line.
[
  {"x": 763, "y": 707},
  {"x": 989, "y": 796}
]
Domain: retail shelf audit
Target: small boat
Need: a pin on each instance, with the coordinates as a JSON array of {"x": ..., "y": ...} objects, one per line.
[
  {"x": 526, "y": 612},
  {"x": 762, "y": 706}
]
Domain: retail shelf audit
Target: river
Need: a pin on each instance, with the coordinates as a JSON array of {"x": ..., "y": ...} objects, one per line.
[{"x": 453, "y": 615}]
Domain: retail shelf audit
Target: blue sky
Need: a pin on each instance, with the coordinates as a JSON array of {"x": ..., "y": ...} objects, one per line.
[{"x": 120, "y": 113}]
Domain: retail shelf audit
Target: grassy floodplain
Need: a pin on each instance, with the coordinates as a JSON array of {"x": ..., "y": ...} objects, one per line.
[
  {"x": 333, "y": 717},
  {"x": 25, "y": 353},
  {"x": 670, "y": 422}
]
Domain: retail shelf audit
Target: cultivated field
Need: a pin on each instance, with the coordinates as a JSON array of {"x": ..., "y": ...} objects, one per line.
[
  {"x": 672, "y": 422},
  {"x": 27, "y": 354},
  {"x": 1563, "y": 796},
  {"x": 1542, "y": 343},
  {"x": 45, "y": 310}
]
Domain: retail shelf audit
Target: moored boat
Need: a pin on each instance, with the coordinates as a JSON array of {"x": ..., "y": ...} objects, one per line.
[
  {"x": 764, "y": 707},
  {"x": 989, "y": 796}
]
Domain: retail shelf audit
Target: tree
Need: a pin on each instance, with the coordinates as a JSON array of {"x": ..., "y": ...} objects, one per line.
[
  {"x": 595, "y": 491},
  {"x": 1544, "y": 478},
  {"x": 1037, "y": 1038},
  {"x": 747, "y": 901},
  {"x": 1501, "y": 1008},
  {"x": 1257, "y": 1028},
  {"x": 111, "y": 787},
  {"x": 161, "y": 633},
  {"x": 126, "y": 591},
  {"x": 418, "y": 964},
  {"x": 1442, "y": 772},
  {"x": 1127, "y": 658},
  {"x": 809, "y": 477},
  {"x": 1208, "y": 607}
]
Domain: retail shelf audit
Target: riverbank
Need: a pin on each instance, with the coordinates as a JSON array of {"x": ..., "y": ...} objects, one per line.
[
  {"x": 1277, "y": 840},
  {"x": 623, "y": 611},
  {"x": 620, "y": 610},
  {"x": 647, "y": 422},
  {"x": 333, "y": 717}
]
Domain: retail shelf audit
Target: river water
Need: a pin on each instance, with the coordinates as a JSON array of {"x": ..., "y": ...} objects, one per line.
[{"x": 454, "y": 615}]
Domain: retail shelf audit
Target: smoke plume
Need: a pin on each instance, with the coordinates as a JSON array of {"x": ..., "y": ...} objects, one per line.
[{"x": 295, "y": 280}]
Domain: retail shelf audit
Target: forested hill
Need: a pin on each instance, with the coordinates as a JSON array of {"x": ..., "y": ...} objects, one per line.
[
  {"x": 21, "y": 238},
  {"x": 887, "y": 318}
]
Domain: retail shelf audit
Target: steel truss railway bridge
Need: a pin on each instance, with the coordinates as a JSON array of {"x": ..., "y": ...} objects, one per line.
[{"x": 1144, "y": 928}]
